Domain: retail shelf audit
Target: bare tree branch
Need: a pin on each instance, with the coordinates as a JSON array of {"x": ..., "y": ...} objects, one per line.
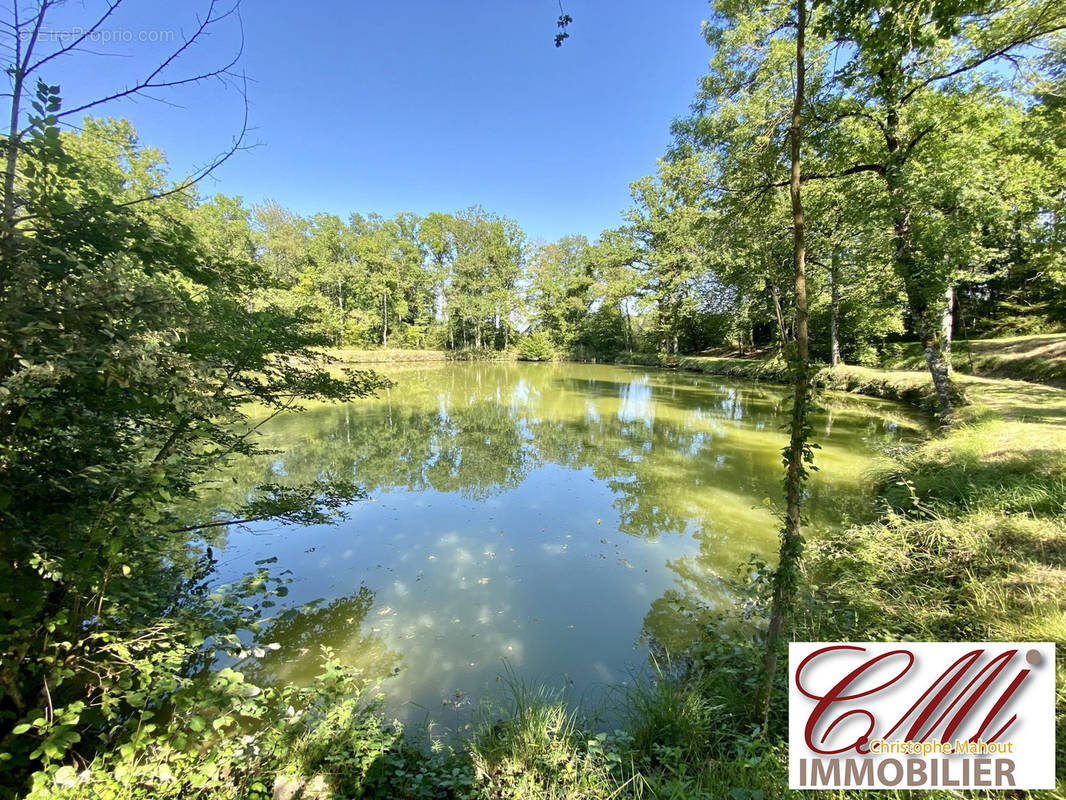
[
  {"x": 153, "y": 81},
  {"x": 111, "y": 8}
]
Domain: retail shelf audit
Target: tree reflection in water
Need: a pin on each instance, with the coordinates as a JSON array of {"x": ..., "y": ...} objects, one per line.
[{"x": 547, "y": 515}]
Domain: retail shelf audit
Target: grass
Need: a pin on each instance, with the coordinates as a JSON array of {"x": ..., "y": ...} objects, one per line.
[
  {"x": 385, "y": 355},
  {"x": 1040, "y": 358},
  {"x": 403, "y": 356},
  {"x": 913, "y": 388}
]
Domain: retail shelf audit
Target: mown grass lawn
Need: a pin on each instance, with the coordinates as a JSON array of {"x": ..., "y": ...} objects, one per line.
[{"x": 1040, "y": 358}]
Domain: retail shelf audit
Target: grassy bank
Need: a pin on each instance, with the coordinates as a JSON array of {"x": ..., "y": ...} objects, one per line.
[
  {"x": 401, "y": 356},
  {"x": 913, "y": 388},
  {"x": 1040, "y": 359},
  {"x": 971, "y": 541},
  {"x": 386, "y": 355}
]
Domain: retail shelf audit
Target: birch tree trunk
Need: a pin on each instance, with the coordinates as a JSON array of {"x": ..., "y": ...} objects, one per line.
[{"x": 834, "y": 309}]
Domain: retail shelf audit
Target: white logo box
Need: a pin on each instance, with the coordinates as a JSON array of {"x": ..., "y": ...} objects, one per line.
[{"x": 921, "y": 715}]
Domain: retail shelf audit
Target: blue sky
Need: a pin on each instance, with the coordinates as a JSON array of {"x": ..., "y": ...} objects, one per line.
[{"x": 419, "y": 105}]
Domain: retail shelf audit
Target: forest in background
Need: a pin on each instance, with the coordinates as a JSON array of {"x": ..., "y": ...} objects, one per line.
[
  {"x": 703, "y": 257},
  {"x": 696, "y": 264}
]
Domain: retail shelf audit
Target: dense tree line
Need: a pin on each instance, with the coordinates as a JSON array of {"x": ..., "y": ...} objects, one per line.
[{"x": 703, "y": 258}]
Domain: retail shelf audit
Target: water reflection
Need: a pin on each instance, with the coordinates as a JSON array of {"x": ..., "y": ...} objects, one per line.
[{"x": 553, "y": 516}]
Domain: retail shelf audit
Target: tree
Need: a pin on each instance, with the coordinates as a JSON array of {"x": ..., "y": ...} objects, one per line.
[
  {"x": 31, "y": 54},
  {"x": 134, "y": 330},
  {"x": 897, "y": 89},
  {"x": 670, "y": 223},
  {"x": 560, "y": 284},
  {"x": 489, "y": 255},
  {"x": 798, "y": 454}
]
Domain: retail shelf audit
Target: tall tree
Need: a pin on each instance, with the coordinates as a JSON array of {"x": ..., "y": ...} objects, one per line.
[
  {"x": 897, "y": 69},
  {"x": 798, "y": 454},
  {"x": 560, "y": 285}
]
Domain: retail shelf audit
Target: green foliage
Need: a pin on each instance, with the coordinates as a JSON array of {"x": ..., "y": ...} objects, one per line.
[
  {"x": 970, "y": 543},
  {"x": 536, "y": 347},
  {"x": 131, "y": 345}
]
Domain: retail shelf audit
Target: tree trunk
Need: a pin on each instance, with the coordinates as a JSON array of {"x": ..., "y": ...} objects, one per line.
[
  {"x": 776, "y": 297},
  {"x": 920, "y": 297},
  {"x": 791, "y": 545},
  {"x": 834, "y": 310},
  {"x": 11, "y": 166},
  {"x": 946, "y": 324},
  {"x": 385, "y": 320},
  {"x": 340, "y": 304},
  {"x": 938, "y": 367}
]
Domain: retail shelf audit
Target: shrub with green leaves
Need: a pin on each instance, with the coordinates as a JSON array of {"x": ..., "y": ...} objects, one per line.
[
  {"x": 537, "y": 346},
  {"x": 131, "y": 342}
]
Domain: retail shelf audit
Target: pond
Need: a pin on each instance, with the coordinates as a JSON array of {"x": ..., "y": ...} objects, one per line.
[{"x": 551, "y": 520}]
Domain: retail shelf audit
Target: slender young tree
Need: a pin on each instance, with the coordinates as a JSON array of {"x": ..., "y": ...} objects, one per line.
[{"x": 798, "y": 454}]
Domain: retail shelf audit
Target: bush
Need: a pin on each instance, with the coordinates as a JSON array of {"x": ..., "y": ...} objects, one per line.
[{"x": 536, "y": 347}]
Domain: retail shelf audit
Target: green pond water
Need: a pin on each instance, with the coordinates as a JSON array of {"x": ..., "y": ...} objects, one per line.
[{"x": 557, "y": 520}]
